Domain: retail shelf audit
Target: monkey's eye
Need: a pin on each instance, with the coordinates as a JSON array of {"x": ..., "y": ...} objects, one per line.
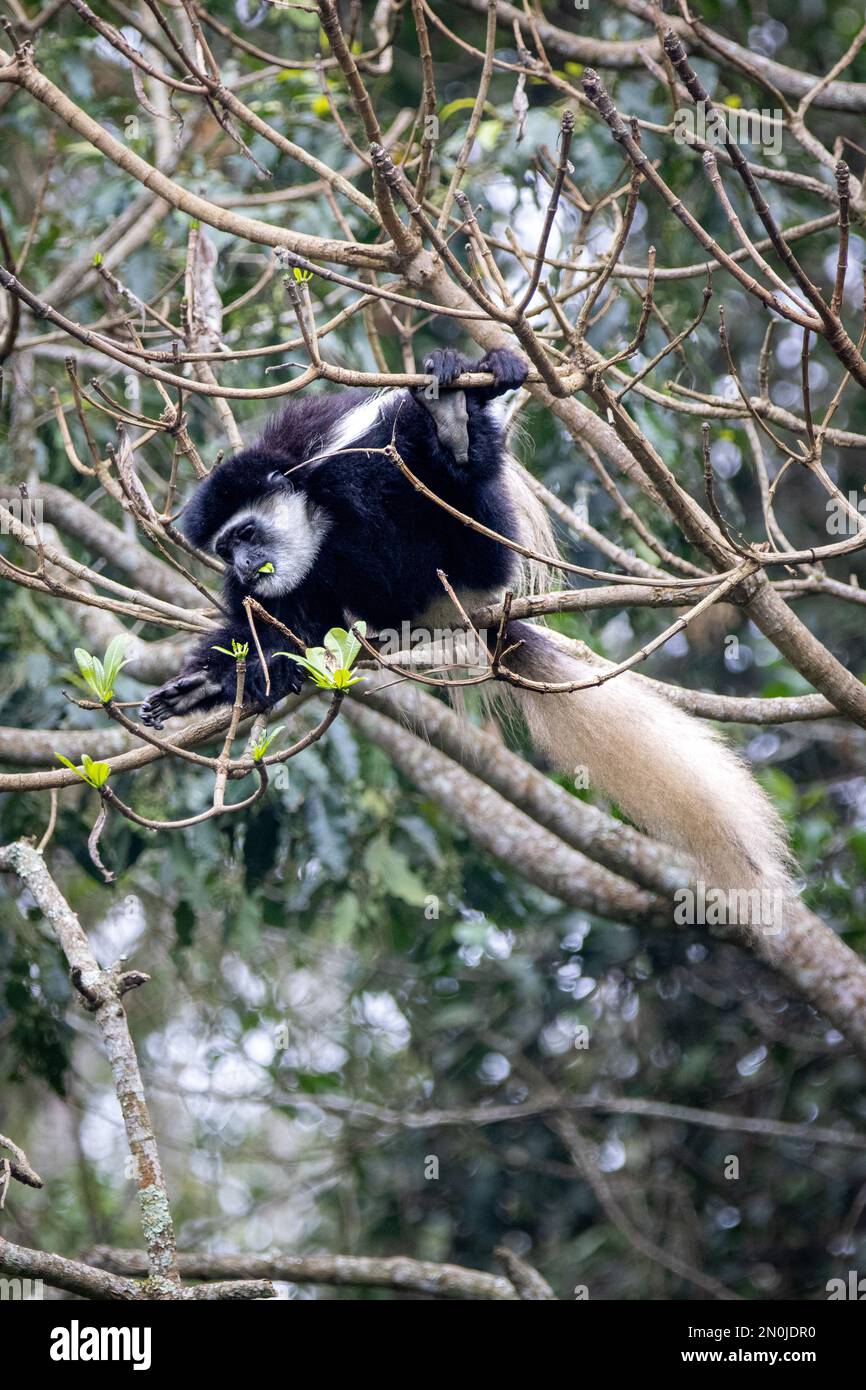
[{"x": 246, "y": 533}]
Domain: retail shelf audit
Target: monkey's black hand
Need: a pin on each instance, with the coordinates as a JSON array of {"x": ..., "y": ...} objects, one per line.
[
  {"x": 509, "y": 371},
  {"x": 448, "y": 409},
  {"x": 202, "y": 689},
  {"x": 178, "y": 696},
  {"x": 445, "y": 364}
]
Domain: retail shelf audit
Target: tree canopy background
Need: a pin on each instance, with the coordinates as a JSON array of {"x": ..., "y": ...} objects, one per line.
[{"x": 343, "y": 960}]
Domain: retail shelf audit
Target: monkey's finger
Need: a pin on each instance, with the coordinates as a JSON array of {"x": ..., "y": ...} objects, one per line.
[
  {"x": 182, "y": 685},
  {"x": 173, "y": 690},
  {"x": 154, "y": 709},
  {"x": 445, "y": 364},
  {"x": 149, "y": 716}
]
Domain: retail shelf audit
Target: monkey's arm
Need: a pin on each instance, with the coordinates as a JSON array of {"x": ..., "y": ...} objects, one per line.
[
  {"x": 208, "y": 677},
  {"x": 459, "y": 417}
]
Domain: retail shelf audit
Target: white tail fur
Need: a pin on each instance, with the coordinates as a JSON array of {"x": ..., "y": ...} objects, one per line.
[{"x": 669, "y": 772}]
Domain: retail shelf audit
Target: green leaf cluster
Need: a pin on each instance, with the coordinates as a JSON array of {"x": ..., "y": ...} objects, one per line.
[
  {"x": 239, "y": 650},
  {"x": 101, "y": 676},
  {"x": 95, "y": 774},
  {"x": 330, "y": 666}
]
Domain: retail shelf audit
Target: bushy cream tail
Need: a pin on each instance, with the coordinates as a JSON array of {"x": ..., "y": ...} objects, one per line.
[{"x": 671, "y": 774}]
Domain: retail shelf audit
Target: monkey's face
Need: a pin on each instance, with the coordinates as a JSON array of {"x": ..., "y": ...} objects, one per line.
[
  {"x": 270, "y": 548},
  {"x": 246, "y": 545}
]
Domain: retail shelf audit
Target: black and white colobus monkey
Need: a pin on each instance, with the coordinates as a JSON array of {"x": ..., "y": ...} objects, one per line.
[{"x": 348, "y": 537}]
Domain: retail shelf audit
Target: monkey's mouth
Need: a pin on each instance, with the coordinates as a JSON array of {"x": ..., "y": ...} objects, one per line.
[
  {"x": 265, "y": 581},
  {"x": 259, "y": 579}
]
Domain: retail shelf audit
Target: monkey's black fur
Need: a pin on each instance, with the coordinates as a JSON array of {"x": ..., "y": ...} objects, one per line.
[{"x": 376, "y": 542}]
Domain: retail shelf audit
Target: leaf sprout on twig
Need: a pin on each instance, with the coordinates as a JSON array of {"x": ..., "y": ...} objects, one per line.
[
  {"x": 264, "y": 741},
  {"x": 330, "y": 666},
  {"x": 95, "y": 774},
  {"x": 101, "y": 676},
  {"x": 240, "y": 650}
]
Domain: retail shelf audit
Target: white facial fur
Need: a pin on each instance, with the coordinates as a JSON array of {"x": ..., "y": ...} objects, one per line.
[{"x": 296, "y": 536}]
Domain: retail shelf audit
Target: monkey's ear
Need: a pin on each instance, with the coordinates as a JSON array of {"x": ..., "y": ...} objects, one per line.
[{"x": 276, "y": 476}]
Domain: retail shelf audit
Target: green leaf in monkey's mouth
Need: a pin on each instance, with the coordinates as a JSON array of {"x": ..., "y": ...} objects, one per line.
[{"x": 266, "y": 568}]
